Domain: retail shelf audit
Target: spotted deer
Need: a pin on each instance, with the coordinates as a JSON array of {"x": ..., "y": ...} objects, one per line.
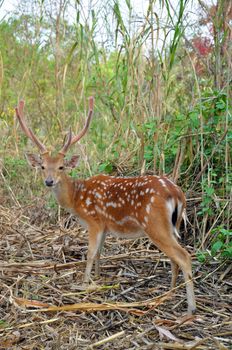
[{"x": 128, "y": 207}]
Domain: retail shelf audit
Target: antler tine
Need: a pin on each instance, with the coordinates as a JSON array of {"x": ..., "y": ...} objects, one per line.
[
  {"x": 67, "y": 143},
  {"x": 87, "y": 123},
  {"x": 71, "y": 140},
  {"x": 29, "y": 133},
  {"x": 38, "y": 143}
]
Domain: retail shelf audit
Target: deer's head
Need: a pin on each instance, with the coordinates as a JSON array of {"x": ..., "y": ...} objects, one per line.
[{"x": 52, "y": 167}]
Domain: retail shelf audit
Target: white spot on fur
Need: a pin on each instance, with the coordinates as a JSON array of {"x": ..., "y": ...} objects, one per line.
[
  {"x": 148, "y": 208},
  {"x": 162, "y": 182},
  {"x": 111, "y": 204},
  {"x": 121, "y": 200},
  {"x": 88, "y": 201}
]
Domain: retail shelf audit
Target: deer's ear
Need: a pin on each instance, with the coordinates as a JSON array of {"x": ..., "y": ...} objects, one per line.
[
  {"x": 72, "y": 163},
  {"x": 34, "y": 160}
]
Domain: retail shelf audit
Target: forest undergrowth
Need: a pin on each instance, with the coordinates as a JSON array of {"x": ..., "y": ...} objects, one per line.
[{"x": 161, "y": 83}]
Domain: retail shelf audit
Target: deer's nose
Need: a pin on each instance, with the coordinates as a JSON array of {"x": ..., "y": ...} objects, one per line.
[{"x": 49, "y": 182}]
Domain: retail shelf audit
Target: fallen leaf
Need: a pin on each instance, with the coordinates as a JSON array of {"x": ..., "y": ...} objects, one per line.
[
  {"x": 165, "y": 332},
  {"x": 29, "y": 303}
]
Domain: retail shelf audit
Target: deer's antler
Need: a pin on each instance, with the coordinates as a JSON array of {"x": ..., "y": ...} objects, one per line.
[
  {"x": 70, "y": 139},
  {"x": 29, "y": 133},
  {"x": 73, "y": 139}
]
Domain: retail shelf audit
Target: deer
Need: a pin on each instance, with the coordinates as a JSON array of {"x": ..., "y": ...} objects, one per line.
[{"x": 129, "y": 207}]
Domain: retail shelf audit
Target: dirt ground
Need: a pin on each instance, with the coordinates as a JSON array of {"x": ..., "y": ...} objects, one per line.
[{"x": 43, "y": 304}]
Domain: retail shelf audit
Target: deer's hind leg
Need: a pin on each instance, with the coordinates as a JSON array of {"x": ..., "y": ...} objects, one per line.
[
  {"x": 175, "y": 271},
  {"x": 164, "y": 239}
]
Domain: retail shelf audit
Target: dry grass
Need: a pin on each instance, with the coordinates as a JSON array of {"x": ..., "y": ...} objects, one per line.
[{"x": 44, "y": 306}]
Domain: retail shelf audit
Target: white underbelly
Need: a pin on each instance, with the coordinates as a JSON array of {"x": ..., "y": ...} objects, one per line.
[{"x": 127, "y": 235}]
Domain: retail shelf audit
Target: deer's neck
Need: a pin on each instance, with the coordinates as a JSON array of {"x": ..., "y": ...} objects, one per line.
[{"x": 66, "y": 191}]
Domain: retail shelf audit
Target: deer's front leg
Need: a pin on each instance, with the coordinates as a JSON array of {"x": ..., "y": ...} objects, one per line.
[
  {"x": 97, "y": 258},
  {"x": 96, "y": 239}
]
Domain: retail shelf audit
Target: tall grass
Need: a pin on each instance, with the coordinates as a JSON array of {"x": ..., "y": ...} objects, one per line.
[{"x": 153, "y": 111}]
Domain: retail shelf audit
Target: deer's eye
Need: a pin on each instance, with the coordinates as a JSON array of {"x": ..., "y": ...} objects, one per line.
[
  {"x": 42, "y": 167},
  {"x": 61, "y": 168}
]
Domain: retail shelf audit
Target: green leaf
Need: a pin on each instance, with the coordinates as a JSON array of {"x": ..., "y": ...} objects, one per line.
[
  {"x": 201, "y": 256},
  {"x": 227, "y": 252},
  {"x": 3, "y": 324},
  {"x": 226, "y": 232},
  {"x": 106, "y": 167},
  {"x": 209, "y": 191},
  {"x": 221, "y": 105},
  {"x": 148, "y": 153},
  {"x": 194, "y": 117},
  {"x": 216, "y": 247}
]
